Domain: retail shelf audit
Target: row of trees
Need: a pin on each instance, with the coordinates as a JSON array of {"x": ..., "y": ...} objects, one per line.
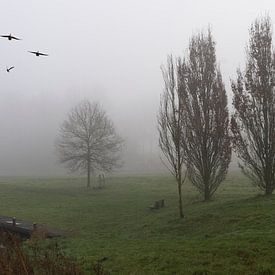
[{"x": 196, "y": 135}]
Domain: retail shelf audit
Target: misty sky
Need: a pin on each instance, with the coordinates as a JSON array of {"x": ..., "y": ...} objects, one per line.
[{"x": 106, "y": 51}]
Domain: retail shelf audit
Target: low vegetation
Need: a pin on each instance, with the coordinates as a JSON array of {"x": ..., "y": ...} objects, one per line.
[
  {"x": 231, "y": 234},
  {"x": 34, "y": 257}
]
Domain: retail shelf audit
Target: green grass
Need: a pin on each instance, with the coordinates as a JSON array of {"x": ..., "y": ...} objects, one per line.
[{"x": 232, "y": 234}]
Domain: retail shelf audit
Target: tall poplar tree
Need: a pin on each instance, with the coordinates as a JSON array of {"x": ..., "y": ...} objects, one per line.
[{"x": 253, "y": 121}]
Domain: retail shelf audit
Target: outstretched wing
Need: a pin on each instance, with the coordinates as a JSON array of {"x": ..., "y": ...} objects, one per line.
[
  {"x": 10, "y": 68},
  {"x": 38, "y": 53},
  {"x": 16, "y": 38},
  {"x": 6, "y": 36},
  {"x": 43, "y": 54}
]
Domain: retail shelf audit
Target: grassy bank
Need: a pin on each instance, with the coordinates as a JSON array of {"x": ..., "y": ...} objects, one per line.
[{"x": 232, "y": 234}]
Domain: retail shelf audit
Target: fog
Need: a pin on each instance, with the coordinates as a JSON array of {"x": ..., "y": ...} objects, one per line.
[{"x": 106, "y": 51}]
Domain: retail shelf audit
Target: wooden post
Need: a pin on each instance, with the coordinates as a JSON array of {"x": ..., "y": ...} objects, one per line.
[
  {"x": 34, "y": 226},
  {"x": 157, "y": 204},
  {"x": 99, "y": 181},
  {"x": 13, "y": 221}
]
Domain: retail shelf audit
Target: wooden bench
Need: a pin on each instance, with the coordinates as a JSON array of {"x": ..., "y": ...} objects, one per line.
[
  {"x": 157, "y": 205},
  {"x": 101, "y": 182}
]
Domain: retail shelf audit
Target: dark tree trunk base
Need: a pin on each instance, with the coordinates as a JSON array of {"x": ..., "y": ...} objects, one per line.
[
  {"x": 180, "y": 200},
  {"x": 268, "y": 192}
]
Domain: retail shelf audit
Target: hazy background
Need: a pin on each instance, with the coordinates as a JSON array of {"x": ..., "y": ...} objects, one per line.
[{"x": 107, "y": 51}]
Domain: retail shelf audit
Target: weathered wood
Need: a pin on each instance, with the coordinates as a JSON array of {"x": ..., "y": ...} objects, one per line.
[{"x": 157, "y": 204}]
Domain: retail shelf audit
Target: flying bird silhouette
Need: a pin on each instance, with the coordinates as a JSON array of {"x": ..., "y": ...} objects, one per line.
[
  {"x": 39, "y": 53},
  {"x": 10, "y": 37},
  {"x": 10, "y": 68}
]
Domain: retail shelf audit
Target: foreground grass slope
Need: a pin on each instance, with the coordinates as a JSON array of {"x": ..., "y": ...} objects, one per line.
[{"x": 233, "y": 234}]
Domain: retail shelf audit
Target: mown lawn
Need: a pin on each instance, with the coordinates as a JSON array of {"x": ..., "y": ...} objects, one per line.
[{"x": 232, "y": 234}]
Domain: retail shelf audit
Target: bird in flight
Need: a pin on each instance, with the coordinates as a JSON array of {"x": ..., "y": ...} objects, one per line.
[
  {"x": 10, "y": 37},
  {"x": 39, "y": 53},
  {"x": 10, "y": 68}
]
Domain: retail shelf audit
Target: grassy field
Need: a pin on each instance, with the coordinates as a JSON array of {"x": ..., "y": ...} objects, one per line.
[{"x": 232, "y": 234}]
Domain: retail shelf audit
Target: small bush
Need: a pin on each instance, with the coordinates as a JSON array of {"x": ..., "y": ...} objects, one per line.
[{"x": 37, "y": 256}]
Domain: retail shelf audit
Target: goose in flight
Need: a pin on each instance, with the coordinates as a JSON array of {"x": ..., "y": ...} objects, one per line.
[
  {"x": 39, "y": 53},
  {"x": 10, "y": 37},
  {"x": 10, "y": 68}
]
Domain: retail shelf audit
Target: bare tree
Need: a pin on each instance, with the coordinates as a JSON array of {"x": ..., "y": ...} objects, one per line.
[
  {"x": 206, "y": 120},
  {"x": 170, "y": 125},
  {"x": 253, "y": 122},
  {"x": 88, "y": 141}
]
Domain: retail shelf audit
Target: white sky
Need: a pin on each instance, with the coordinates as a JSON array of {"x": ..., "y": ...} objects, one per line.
[{"x": 109, "y": 51}]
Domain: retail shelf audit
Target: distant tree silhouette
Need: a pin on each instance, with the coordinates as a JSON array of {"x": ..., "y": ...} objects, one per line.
[
  {"x": 206, "y": 120},
  {"x": 253, "y": 121},
  {"x": 88, "y": 141},
  {"x": 170, "y": 124}
]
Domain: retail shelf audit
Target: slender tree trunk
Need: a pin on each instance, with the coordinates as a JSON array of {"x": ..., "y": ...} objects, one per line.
[
  {"x": 88, "y": 177},
  {"x": 268, "y": 178},
  {"x": 88, "y": 172},
  {"x": 206, "y": 179},
  {"x": 179, "y": 177},
  {"x": 268, "y": 189},
  {"x": 180, "y": 197},
  {"x": 206, "y": 193}
]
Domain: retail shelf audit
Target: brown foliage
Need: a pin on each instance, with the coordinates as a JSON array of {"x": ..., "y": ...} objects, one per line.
[
  {"x": 37, "y": 257},
  {"x": 15, "y": 258}
]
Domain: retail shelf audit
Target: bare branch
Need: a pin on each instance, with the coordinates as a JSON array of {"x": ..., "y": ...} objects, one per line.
[
  {"x": 253, "y": 122},
  {"x": 206, "y": 119},
  {"x": 170, "y": 123},
  {"x": 88, "y": 140}
]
